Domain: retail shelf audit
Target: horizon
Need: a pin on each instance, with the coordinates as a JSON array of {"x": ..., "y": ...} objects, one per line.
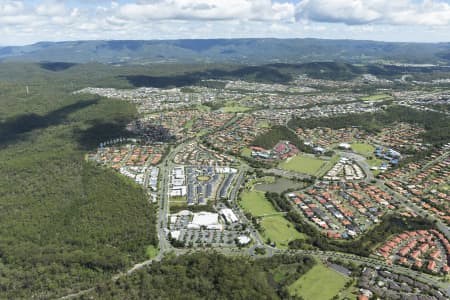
[
  {"x": 219, "y": 38},
  {"x": 25, "y": 22}
]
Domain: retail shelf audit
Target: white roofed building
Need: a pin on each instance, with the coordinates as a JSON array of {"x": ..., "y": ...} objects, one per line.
[
  {"x": 205, "y": 218},
  {"x": 229, "y": 215}
]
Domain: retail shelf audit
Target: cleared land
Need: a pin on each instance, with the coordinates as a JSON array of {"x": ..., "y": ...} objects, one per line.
[
  {"x": 303, "y": 164},
  {"x": 280, "y": 231},
  {"x": 318, "y": 283},
  {"x": 363, "y": 149},
  {"x": 256, "y": 203}
]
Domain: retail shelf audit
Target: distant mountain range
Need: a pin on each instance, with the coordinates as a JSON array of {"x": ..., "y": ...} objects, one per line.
[{"x": 247, "y": 51}]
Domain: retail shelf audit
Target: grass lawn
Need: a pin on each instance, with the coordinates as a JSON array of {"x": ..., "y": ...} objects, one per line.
[
  {"x": 318, "y": 283},
  {"x": 328, "y": 165},
  {"x": 203, "y": 178},
  {"x": 263, "y": 124},
  {"x": 152, "y": 251},
  {"x": 247, "y": 152},
  {"x": 444, "y": 188},
  {"x": 350, "y": 292},
  {"x": 256, "y": 203},
  {"x": 174, "y": 204},
  {"x": 265, "y": 179},
  {"x": 363, "y": 149},
  {"x": 283, "y": 271},
  {"x": 189, "y": 124},
  {"x": 203, "y": 108},
  {"x": 202, "y": 132},
  {"x": 377, "y": 97},
  {"x": 280, "y": 231},
  {"x": 375, "y": 162},
  {"x": 303, "y": 164},
  {"x": 276, "y": 227},
  {"x": 235, "y": 109}
]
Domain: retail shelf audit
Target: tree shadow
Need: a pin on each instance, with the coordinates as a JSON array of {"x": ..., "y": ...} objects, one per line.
[
  {"x": 99, "y": 132},
  {"x": 17, "y": 128},
  {"x": 266, "y": 74},
  {"x": 56, "y": 66}
]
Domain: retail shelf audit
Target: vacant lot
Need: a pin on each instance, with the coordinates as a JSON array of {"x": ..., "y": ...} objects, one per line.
[
  {"x": 280, "y": 231},
  {"x": 363, "y": 149},
  {"x": 303, "y": 164},
  {"x": 256, "y": 203},
  {"x": 318, "y": 283}
]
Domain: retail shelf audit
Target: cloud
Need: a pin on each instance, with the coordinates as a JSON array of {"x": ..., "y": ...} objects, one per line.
[
  {"x": 27, "y": 21},
  {"x": 388, "y": 12},
  {"x": 51, "y": 8},
  {"x": 11, "y": 8},
  {"x": 263, "y": 10}
]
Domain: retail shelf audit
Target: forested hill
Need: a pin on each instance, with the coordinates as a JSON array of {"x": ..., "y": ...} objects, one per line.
[
  {"x": 209, "y": 276},
  {"x": 250, "y": 51}
]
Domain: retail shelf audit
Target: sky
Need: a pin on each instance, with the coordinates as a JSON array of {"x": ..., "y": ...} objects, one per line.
[{"x": 28, "y": 21}]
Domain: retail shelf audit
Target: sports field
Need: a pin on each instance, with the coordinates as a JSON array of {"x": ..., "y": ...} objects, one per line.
[
  {"x": 280, "y": 231},
  {"x": 256, "y": 203},
  {"x": 303, "y": 164},
  {"x": 363, "y": 149},
  {"x": 318, "y": 283},
  {"x": 275, "y": 227}
]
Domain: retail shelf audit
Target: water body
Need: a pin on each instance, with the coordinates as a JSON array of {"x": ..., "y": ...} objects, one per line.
[{"x": 280, "y": 185}]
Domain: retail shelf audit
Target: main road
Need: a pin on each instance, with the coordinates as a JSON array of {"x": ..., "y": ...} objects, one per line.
[
  {"x": 164, "y": 246},
  {"x": 165, "y": 166}
]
